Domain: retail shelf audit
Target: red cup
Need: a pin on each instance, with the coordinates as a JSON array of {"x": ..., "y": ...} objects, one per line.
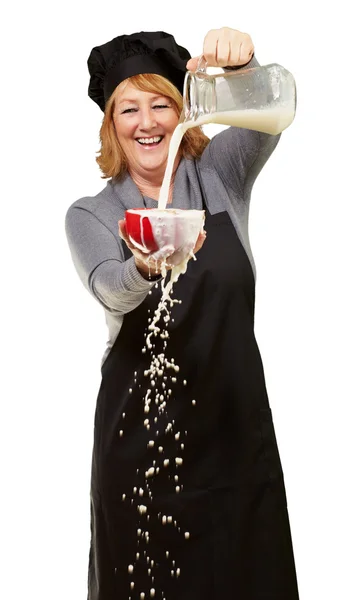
[
  {"x": 164, "y": 233},
  {"x": 139, "y": 229}
]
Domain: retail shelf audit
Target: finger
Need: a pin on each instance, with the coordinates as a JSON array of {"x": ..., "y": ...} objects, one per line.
[
  {"x": 163, "y": 253},
  {"x": 122, "y": 230},
  {"x": 223, "y": 49},
  {"x": 235, "y": 45},
  {"x": 246, "y": 50},
  {"x": 192, "y": 64},
  {"x": 124, "y": 236},
  {"x": 200, "y": 242},
  {"x": 210, "y": 47}
]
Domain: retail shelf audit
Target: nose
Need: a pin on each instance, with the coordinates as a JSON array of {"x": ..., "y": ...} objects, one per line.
[{"x": 147, "y": 119}]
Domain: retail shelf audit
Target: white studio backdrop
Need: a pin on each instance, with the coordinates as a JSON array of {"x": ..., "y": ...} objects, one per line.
[{"x": 306, "y": 237}]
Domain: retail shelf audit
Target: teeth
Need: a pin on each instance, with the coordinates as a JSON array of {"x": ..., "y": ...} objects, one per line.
[{"x": 152, "y": 140}]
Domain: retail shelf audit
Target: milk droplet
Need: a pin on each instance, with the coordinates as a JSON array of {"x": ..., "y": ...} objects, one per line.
[
  {"x": 164, "y": 519},
  {"x": 187, "y": 535},
  {"x": 150, "y": 443},
  {"x": 177, "y": 436},
  {"x": 142, "y": 509},
  {"x": 166, "y": 462},
  {"x": 132, "y": 585},
  {"x": 177, "y": 489},
  {"x": 178, "y": 572},
  {"x": 141, "y": 491},
  {"x": 130, "y": 568},
  {"x": 121, "y": 432},
  {"x": 142, "y": 595},
  {"x": 179, "y": 460},
  {"x": 160, "y": 449},
  {"x": 169, "y": 519},
  {"x": 152, "y": 593},
  {"x": 184, "y": 382},
  {"x": 130, "y": 390},
  {"x": 193, "y": 402},
  {"x": 167, "y": 553},
  {"x": 123, "y": 496}
]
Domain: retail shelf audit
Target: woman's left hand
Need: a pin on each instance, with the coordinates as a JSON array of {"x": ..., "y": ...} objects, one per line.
[
  {"x": 167, "y": 254},
  {"x": 225, "y": 47}
]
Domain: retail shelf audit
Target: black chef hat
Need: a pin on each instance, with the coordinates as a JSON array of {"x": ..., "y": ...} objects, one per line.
[{"x": 144, "y": 52}]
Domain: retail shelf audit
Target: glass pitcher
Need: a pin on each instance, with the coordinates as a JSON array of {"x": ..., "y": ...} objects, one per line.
[{"x": 259, "y": 98}]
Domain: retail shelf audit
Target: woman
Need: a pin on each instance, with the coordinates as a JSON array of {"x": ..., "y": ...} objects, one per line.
[{"x": 189, "y": 504}]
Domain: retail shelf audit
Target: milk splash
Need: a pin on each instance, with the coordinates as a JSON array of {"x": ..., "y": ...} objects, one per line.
[
  {"x": 162, "y": 374},
  {"x": 166, "y": 442}
]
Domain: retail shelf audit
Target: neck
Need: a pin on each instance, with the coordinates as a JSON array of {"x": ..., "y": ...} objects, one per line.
[
  {"x": 150, "y": 184},
  {"x": 146, "y": 186}
]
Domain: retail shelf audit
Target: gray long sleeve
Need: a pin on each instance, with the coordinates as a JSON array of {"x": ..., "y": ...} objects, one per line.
[{"x": 99, "y": 261}]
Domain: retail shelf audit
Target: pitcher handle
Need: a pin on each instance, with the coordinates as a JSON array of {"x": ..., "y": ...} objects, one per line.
[{"x": 201, "y": 65}]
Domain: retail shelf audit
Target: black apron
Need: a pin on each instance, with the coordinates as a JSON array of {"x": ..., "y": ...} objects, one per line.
[{"x": 228, "y": 533}]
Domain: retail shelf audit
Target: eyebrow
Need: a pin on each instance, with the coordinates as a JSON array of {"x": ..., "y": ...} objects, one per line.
[{"x": 134, "y": 101}]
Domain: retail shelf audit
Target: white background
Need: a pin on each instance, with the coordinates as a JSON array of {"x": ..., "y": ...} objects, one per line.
[{"x": 306, "y": 236}]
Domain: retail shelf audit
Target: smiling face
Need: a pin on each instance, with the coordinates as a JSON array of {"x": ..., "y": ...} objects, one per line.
[{"x": 144, "y": 123}]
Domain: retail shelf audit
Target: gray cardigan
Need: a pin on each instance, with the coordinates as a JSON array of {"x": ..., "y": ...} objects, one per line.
[{"x": 227, "y": 169}]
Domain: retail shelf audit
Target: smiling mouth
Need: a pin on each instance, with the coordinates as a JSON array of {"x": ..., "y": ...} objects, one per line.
[{"x": 150, "y": 142}]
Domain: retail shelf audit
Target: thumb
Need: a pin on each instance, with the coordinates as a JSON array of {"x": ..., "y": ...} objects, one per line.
[
  {"x": 122, "y": 230},
  {"x": 192, "y": 64}
]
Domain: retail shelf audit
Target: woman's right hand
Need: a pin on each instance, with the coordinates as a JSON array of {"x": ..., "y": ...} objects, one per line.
[{"x": 146, "y": 264}]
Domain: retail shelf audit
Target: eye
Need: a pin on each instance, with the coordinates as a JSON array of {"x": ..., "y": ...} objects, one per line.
[
  {"x": 128, "y": 110},
  {"x": 159, "y": 106}
]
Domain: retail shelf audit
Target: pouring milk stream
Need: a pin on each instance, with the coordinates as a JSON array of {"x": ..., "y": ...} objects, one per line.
[{"x": 260, "y": 98}]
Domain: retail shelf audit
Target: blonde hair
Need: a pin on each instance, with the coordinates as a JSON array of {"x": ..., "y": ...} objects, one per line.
[{"x": 112, "y": 159}]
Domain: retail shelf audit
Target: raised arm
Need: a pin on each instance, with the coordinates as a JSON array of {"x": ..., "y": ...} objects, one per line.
[{"x": 237, "y": 154}]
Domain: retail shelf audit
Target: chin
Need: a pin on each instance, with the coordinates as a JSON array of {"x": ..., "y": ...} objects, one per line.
[{"x": 154, "y": 165}]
